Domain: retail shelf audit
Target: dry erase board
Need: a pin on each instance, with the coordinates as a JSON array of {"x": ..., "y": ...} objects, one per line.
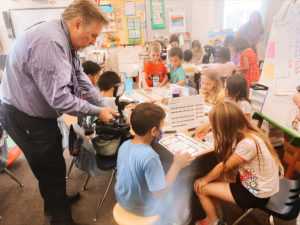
[
  {"x": 281, "y": 72},
  {"x": 21, "y": 19}
]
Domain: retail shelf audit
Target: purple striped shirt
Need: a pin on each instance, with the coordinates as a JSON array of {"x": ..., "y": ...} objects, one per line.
[{"x": 38, "y": 72}]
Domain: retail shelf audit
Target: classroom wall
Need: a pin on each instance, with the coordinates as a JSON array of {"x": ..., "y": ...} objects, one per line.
[
  {"x": 10, "y": 4},
  {"x": 202, "y": 17}
]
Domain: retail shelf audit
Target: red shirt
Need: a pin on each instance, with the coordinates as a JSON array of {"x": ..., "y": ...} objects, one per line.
[
  {"x": 253, "y": 73},
  {"x": 153, "y": 70}
]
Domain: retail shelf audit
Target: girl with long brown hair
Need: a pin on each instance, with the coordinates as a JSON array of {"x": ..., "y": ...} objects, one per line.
[{"x": 245, "y": 154}]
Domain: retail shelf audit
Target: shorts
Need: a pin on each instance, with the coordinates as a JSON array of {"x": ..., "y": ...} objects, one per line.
[{"x": 243, "y": 198}]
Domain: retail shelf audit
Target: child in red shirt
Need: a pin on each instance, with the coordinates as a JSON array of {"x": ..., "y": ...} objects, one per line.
[
  {"x": 155, "y": 72},
  {"x": 248, "y": 61}
]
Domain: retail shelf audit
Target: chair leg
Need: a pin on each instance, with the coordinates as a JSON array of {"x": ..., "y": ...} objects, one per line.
[
  {"x": 243, "y": 216},
  {"x": 85, "y": 183},
  {"x": 13, "y": 177},
  {"x": 69, "y": 170},
  {"x": 105, "y": 194},
  {"x": 271, "y": 220}
]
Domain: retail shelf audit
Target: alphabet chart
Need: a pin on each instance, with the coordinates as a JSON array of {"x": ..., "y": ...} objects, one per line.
[
  {"x": 184, "y": 143},
  {"x": 186, "y": 112}
]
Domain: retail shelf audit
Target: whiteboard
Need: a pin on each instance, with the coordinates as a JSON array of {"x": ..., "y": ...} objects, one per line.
[{"x": 21, "y": 19}]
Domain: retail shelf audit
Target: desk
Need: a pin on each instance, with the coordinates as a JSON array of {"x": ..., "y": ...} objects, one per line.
[{"x": 291, "y": 142}]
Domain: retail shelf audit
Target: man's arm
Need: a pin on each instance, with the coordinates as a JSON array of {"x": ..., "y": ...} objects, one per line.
[
  {"x": 52, "y": 75},
  {"x": 89, "y": 92}
]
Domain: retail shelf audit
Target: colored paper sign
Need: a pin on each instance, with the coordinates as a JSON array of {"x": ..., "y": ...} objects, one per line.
[
  {"x": 271, "y": 50},
  {"x": 268, "y": 72}
]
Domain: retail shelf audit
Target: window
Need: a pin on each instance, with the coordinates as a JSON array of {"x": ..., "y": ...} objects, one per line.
[{"x": 237, "y": 12}]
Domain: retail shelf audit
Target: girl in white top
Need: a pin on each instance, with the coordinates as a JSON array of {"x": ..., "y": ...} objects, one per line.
[{"x": 244, "y": 152}]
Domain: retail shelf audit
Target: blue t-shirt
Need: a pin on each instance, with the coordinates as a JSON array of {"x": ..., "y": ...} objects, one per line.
[
  {"x": 178, "y": 74},
  {"x": 139, "y": 173}
]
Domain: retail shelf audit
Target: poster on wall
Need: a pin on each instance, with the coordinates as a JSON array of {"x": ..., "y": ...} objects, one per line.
[
  {"x": 177, "y": 21},
  {"x": 134, "y": 30},
  {"x": 110, "y": 15},
  {"x": 129, "y": 8},
  {"x": 157, "y": 8}
]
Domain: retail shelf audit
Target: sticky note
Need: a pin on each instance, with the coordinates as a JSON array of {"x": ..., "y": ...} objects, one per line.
[
  {"x": 271, "y": 50},
  {"x": 268, "y": 71}
]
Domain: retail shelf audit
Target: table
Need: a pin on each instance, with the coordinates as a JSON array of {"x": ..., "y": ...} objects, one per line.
[{"x": 291, "y": 142}]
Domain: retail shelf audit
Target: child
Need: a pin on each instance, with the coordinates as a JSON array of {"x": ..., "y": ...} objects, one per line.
[
  {"x": 189, "y": 68},
  {"x": 177, "y": 73},
  {"x": 174, "y": 41},
  {"x": 228, "y": 43},
  {"x": 224, "y": 67},
  {"x": 197, "y": 52},
  {"x": 141, "y": 182},
  {"x": 235, "y": 91},
  {"x": 92, "y": 69},
  {"x": 155, "y": 72},
  {"x": 248, "y": 61},
  {"x": 245, "y": 153},
  {"x": 212, "y": 87},
  {"x": 106, "y": 84}
]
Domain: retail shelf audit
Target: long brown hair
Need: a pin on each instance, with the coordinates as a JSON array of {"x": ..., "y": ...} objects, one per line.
[{"x": 230, "y": 126}]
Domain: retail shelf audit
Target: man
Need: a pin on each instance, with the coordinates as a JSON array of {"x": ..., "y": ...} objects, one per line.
[{"x": 41, "y": 81}]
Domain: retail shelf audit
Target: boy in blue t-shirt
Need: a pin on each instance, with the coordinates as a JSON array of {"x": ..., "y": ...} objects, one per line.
[
  {"x": 141, "y": 182},
  {"x": 177, "y": 72}
]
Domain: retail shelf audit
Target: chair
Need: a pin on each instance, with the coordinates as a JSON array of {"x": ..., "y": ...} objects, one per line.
[
  {"x": 104, "y": 163},
  {"x": 13, "y": 154},
  {"x": 285, "y": 204},
  {"x": 124, "y": 217}
]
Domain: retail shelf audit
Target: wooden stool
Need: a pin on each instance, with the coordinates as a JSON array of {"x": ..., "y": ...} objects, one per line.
[{"x": 123, "y": 217}]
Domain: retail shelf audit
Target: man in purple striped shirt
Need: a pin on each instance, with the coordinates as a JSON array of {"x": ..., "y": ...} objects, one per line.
[{"x": 41, "y": 81}]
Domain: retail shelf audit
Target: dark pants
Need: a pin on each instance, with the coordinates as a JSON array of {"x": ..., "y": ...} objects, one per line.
[{"x": 41, "y": 142}]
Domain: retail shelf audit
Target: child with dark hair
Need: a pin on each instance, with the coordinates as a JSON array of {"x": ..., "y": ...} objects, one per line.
[
  {"x": 248, "y": 61},
  {"x": 197, "y": 52},
  {"x": 189, "y": 68},
  {"x": 106, "y": 84},
  {"x": 141, "y": 181},
  {"x": 174, "y": 40},
  {"x": 91, "y": 69},
  {"x": 224, "y": 67},
  {"x": 177, "y": 73}
]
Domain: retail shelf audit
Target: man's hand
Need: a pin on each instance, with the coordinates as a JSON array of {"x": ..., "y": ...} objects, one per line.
[{"x": 107, "y": 114}]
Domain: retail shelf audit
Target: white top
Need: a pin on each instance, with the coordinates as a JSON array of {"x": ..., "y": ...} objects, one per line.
[
  {"x": 111, "y": 102},
  {"x": 245, "y": 106},
  {"x": 189, "y": 67},
  {"x": 224, "y": 69},
  {"x": 261, "y": 178}
]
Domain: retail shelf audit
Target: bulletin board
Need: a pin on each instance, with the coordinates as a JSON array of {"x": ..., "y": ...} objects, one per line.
[
  {"x": 129, "y": 23},
  {"x": 173, "y": 23}
]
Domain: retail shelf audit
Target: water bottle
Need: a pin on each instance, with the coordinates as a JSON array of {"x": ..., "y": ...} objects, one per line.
[{"x": 128, "y": 85}]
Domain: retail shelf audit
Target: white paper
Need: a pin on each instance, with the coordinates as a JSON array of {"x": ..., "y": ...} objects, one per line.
[
  {"x": 186, "y": 112},
  {"x": 157, "y": 12},
  {"x": 177, "y": 21},
  {"x": 129, "y": 8},
  {"x": 184, "y": 143}
]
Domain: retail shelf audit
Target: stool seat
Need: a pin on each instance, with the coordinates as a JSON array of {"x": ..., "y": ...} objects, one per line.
[{"x": 124, "y": 217}]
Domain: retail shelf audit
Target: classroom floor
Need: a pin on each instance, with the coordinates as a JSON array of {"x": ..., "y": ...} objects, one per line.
[{"x": 24, "y": 206}]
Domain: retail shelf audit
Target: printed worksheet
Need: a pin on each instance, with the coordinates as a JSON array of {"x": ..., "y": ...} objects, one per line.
[{"x": 184, "y": 143}]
